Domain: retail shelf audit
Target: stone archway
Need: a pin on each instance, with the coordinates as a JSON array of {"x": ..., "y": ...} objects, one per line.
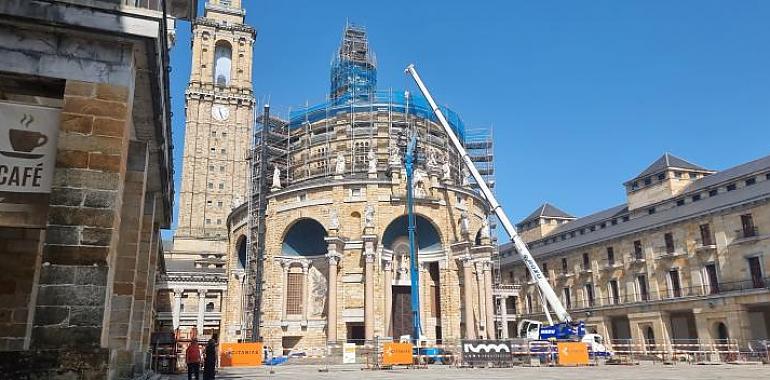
[
  {"x": 240, "y": 249},
  {"x": 305, "y": 237}
]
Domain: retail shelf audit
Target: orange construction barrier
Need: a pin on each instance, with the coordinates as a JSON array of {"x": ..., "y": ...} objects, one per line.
[
  {"x": 572, "y": 353},
  {"x": 240, "y": 354},
  {"x": 397, "y": 354}
]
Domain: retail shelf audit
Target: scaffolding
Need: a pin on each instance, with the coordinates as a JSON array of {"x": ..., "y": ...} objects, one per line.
[{"x": 354, "y": 121}]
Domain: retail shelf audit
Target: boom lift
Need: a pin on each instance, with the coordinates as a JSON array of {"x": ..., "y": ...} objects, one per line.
[{"x": 565, "y": 329}]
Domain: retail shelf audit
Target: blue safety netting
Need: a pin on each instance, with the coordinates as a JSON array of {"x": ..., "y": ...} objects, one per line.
[{"x": 396, "y": 101}]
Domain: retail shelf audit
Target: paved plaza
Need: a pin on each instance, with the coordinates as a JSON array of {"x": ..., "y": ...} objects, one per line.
[{"x": 643, "y": 371}]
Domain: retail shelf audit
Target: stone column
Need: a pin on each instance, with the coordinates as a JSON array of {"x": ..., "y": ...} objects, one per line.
[
  {"x": 489, "y": 299},
  {"x": 504, "y": 317},
  {"x": 333, "y": 256},
  {"x": 481, "y": 294},
  {"x": 177, "y": 308},
  {"x": 201, "y": 310},
  {"x": 286, "y": 266},
  {"x": 305, "y": 287},
  {"x": 388, "y": 272},
  {"x": 470, "y": 331},
  {"x": 369, "y": 257}
]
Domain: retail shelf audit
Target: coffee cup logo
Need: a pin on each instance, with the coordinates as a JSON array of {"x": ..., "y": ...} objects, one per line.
[{"x": 24, "y": 141}]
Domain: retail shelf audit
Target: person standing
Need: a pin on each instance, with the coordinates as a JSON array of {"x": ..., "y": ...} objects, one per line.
[
  {"x": 210, "y": 360},
  {"x": 193, "y": 359}
]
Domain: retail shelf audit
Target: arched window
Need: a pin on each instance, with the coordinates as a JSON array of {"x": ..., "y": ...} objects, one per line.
[
  {"x": 223, "y": 54},
  {"x": 209, "y": 307},
  {"x": 241, "y": 248},
  {"x": 722, "y": 334}
]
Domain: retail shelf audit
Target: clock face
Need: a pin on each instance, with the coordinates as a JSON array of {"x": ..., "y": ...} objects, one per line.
[{"x": 220, "y": 112}]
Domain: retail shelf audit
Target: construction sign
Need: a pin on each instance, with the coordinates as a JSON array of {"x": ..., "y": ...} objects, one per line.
[
  {"x": 572, "y": 353},
  {"x": 397, "y": 354},
  {"x": 240, "y": 354}
]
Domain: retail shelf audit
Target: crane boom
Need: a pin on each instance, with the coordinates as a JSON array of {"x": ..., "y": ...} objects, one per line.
[{"x": 521, "y": 247}]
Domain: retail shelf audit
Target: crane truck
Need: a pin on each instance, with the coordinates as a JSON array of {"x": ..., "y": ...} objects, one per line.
[{"x": 566, "y": 329}]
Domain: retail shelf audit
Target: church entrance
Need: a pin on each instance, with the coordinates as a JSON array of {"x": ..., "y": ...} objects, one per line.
[{"x": 402, "y": 311}]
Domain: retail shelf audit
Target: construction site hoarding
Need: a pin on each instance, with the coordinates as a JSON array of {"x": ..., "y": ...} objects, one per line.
[{"x": 241, "y": 354}]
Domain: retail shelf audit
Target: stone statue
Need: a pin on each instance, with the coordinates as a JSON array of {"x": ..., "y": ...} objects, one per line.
[
  {"x": 372, "y": 157},
  {"x": 236, "y": 202},
  {"x": 466, "y": 177},
  {"x": 464, "y": 223},
  {"x": 340, "y": 169},
  {"x": 369, "y": 216},
  {"x": 334, "y": 220},
  {"x": 394, "y": 159},
  {"x": 485, "y": 232},
  {"x": 432, "y": 158},
  {"x": 276, "y": 178},
  {"x": 446, "y": 170},
  {"x": 418, "y": 184}
]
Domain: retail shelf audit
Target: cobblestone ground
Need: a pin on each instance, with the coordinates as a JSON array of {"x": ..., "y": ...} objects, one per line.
[{"x": 643, "y": 371}]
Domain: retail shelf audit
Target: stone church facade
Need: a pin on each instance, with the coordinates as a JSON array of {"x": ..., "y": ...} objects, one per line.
[{"x": 336, "y": 258}]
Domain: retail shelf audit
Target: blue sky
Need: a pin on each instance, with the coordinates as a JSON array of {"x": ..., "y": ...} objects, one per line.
[{"x": 581, "y": 95}]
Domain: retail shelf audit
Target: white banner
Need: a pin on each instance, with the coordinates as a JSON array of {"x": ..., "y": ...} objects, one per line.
[
  {"x": 348, "y": 353},
  {"x": 28, "y": 138}
]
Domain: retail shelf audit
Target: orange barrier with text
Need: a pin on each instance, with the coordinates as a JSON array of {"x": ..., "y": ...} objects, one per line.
[
  {"x": 572, "y": 353},
  {"x": 240, "y": 354},
  {"x": 397, "y": 354}
]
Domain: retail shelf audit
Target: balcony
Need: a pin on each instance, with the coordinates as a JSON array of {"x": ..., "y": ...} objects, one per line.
[
  {"x": 637, "y": 258},
  {"x": 585, "y": 270},
  {"x": 748, "y": 235},
  {"x": 506, "y": 290},
  {"x": 610, "y": 265},
  {"x": 563, "y": 275},
  {"x": 668, "y": 254}
]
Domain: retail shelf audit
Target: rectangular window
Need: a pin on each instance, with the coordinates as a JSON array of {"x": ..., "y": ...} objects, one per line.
[
  {"x": 680, "y": 202},
  {"x": 676, "y": 285},
  {"x": 669, "y": 239},
  {"x": 213, "y": 133},
  {"x": 590, "y": 298},
  {"x": 614, "y": 292},
  {"x": 294, "y": 293},
  {"x": 211, "y": 185},
  {"x": 696, "y": 197},
  {"x": 567, "y": 298},
  {"x": 219, "y": 221},
  {"x": 586, "y": 262},
  {"x": 224, "y": 151},
  {"x": 219, "y": 204},
  {"x": 638, "y": 253},
  {"x": 221, "y": 169},
  {"x": 713, "y": 192},
  {"x": 693, "y": 175},
  {"x": 731, "y": 187},
  {"x": 644, "y": 293},
  {"x": 564, "y": 265},
  {"x": 356, "y": 192},
  {"x": 751, "y": 181},
  {"x": 545, "y": 270},
  {"x": 711, "y": 277},
  {"x": 610, "y": 256},
  {"x": 650, "y": 210},
  {"x": 211, "y": 168},
  {"x": 755, "y": 269},
  {"x": 221, "y": 186},
  {"x": 705, "y": 235},
  {"x": 747, "y": 222},
  {"x": 224, "y": 134},
  {"x": 208, "y": 221},
  {"x": 661, "y": 176}
]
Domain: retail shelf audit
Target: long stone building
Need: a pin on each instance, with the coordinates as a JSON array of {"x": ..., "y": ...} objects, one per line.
[
  {"x": 335, "y": 265},
  {"x": 85, "y": 182},
  {"x": 218, "y": 123},
  {"x": 684, "y": 258}
]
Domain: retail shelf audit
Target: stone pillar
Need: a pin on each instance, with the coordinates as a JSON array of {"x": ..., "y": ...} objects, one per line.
[
  {"x": 177, "y": 308},
  {"x": 201, "y": 310},
  {"x": 482, "y": 295},
  {"x": 388, "y": 272},
  {"x": 148, "y": 249},
  {"x": 284, "y": 302},
  {"x": 504, "y": 317},
  {"x": 305, "y": 287},
  {"x": 489, "y": 299},
  {"x": 369, "y": 257},
  {"x": 333, "y": 256},
  {"x": 470, "y": 331}
]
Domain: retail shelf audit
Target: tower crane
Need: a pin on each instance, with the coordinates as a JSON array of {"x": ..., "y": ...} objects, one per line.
[{"x": 565, "y": 328}]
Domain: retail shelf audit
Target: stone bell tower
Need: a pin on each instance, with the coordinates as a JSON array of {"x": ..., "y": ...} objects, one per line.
[{"x": 219, "y": 120}]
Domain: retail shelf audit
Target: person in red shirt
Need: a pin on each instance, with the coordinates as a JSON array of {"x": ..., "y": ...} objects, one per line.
[{"x": 193, "y": 359}]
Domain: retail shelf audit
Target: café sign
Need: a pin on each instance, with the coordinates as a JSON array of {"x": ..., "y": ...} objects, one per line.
[{"x": 28, "y": 137}]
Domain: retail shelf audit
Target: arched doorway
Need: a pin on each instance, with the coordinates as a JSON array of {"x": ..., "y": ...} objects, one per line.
[
  {"x": 649, "y": 337},
  {"x": 395, "y": 239}
]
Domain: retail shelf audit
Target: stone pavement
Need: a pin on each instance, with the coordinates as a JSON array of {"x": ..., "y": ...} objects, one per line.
[{"x": 643, "y": 371}]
